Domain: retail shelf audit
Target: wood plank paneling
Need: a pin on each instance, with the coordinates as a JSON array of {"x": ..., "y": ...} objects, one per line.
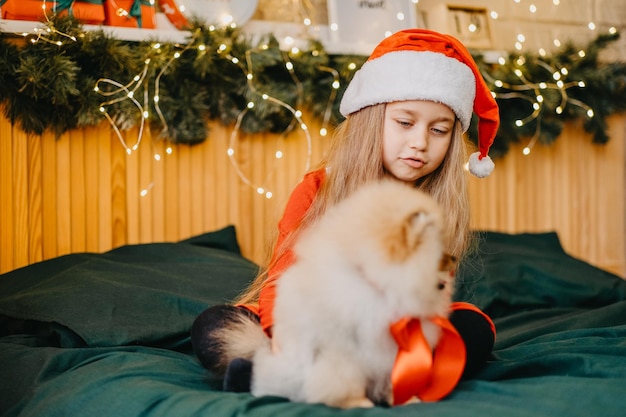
[
  {"x": 82, "y": 191},
  {"x": 35, "y": 208},
  {"x": 7, "y": 238},
  {"x": 49, "y": 195},
  {"x": 20, "y": 197}
]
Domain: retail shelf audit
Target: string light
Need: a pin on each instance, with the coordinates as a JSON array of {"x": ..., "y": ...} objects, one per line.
[
  {"x": 297, "y": 114},
  {"x": 558, "y": 83},
  {"x": 516, "y": 91},
  {"x": 157, "y": 81},
  {"x": 124, "y": 92},
  {"x": 331, "y": 99},
  {"x": 42, "y": 34}
]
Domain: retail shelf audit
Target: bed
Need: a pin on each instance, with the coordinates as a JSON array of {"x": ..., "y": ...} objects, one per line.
[{"x": 108, "y": 334}]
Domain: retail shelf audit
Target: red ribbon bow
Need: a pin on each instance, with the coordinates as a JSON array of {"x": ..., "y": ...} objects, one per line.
[{"x": 418, "y": 371}]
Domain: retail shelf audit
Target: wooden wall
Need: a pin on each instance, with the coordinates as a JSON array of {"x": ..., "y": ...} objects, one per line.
[{"x": 82, "y": 192}]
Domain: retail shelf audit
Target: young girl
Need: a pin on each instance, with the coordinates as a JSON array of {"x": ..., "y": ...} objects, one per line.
[{"x": 405, "y": 113}]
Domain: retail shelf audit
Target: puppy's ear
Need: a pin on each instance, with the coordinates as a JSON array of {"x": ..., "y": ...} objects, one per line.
[
  {"x": 408, "y": 235},
  {"x": 448, "y": 262}
]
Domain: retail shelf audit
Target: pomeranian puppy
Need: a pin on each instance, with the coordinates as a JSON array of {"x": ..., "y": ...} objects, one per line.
[{"x": 374, "y": 258}]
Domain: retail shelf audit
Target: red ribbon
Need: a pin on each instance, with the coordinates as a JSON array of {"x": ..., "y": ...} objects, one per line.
[{"x": 418, "y": 371}]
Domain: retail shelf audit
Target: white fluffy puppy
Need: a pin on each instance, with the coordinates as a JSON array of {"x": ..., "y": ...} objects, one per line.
[{"x": 374, "y": 258}]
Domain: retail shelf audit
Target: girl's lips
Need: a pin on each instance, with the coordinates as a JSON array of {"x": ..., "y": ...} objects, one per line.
[{"x": 413, "y": 162}]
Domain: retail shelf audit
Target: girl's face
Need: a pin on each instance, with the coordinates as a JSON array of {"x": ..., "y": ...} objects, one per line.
[{"x": 416, "y": 137}]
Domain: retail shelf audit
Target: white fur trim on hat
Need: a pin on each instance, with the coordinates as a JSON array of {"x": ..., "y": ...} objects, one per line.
[
  {"x": 413, "y": 75},
  {"x": 481, "y": 168}
]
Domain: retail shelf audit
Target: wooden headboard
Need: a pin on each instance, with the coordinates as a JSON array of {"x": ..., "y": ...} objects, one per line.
[{"x": 82, "y": 192}]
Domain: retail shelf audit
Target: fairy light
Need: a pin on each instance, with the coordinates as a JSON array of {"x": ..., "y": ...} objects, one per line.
[
  {"x": 157, "y": 80},
  {"x": 516, "y": 91},
  {"x": 246, "y": 68},
  {"x": 120, "y": 93},
  {"x": 331, "y": 98},
  {"x": 44, "y": 34},
  {"x": 146, "y": 190}
]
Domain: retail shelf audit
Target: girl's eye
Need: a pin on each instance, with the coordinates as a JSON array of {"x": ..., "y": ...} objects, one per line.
[
  {"x": 404, "y": 123},
  {"x": 440, "y": 131}
]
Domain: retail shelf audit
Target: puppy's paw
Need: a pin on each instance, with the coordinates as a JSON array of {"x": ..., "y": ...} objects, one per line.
[{"x": 356, "y": 403}]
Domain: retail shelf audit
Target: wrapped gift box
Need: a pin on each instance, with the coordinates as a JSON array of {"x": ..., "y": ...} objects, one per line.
[
  {"x": 89, "y": 11},
  {"x": 130, "y": 13}
]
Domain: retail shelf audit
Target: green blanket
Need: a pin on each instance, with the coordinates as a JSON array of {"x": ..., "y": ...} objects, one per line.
[{"x": 108, "y": 334}]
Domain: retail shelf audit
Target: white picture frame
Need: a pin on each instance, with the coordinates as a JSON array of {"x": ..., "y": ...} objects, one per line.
[
  {"x": 460, "y": 19},
  {"x": 357, "y": 26}
]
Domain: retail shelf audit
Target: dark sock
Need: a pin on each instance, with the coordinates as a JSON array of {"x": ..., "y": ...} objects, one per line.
[
  {"x": 478, "y": 337},
  {"x": 206, "y": 347},
  {"x": 238, "y": 376}
]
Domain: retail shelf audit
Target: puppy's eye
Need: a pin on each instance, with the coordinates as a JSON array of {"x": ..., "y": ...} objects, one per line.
[{"x": 441, "y": 285}]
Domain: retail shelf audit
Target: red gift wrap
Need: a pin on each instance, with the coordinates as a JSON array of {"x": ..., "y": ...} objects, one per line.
[
  {"x": 33, "y": 10},
  {"x": 119, "y": 13}
]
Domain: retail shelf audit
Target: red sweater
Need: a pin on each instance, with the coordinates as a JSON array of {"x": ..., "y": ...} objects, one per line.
[{"x": 299, "y": 203}]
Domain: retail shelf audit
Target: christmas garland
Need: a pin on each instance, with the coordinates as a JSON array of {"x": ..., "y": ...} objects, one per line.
[{"x": 48, "y": 84}]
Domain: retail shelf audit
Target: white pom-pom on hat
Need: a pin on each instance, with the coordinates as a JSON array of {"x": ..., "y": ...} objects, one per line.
[
  {"x": 481, "y": 167},
  {"x": 419, "y": 64}
]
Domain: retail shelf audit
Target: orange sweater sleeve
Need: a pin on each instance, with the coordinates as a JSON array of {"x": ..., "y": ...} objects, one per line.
[{"x": 297, "y": 206}]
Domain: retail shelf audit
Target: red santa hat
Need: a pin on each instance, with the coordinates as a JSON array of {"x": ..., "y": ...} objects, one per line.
[{"x": 418, "y": 64}]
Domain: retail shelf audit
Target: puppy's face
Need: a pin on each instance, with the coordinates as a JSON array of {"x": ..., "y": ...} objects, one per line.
[{"x": 398, "y": 247}]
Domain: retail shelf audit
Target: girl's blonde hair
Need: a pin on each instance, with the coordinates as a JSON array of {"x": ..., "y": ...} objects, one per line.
[{"x": 355, "y": 157}]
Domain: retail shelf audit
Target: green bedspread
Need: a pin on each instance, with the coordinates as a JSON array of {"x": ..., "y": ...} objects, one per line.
[{"x": 108, "y": 334}]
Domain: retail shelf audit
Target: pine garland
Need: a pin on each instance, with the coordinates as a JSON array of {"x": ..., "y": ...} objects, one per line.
[{"x": 50, "y": 87}]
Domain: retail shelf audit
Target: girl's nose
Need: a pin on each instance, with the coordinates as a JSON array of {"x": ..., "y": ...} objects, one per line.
[{"x": 419, "y": 139}]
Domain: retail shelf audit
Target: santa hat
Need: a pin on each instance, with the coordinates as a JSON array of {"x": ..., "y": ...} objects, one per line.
[{"x": 418, "y": 64}]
